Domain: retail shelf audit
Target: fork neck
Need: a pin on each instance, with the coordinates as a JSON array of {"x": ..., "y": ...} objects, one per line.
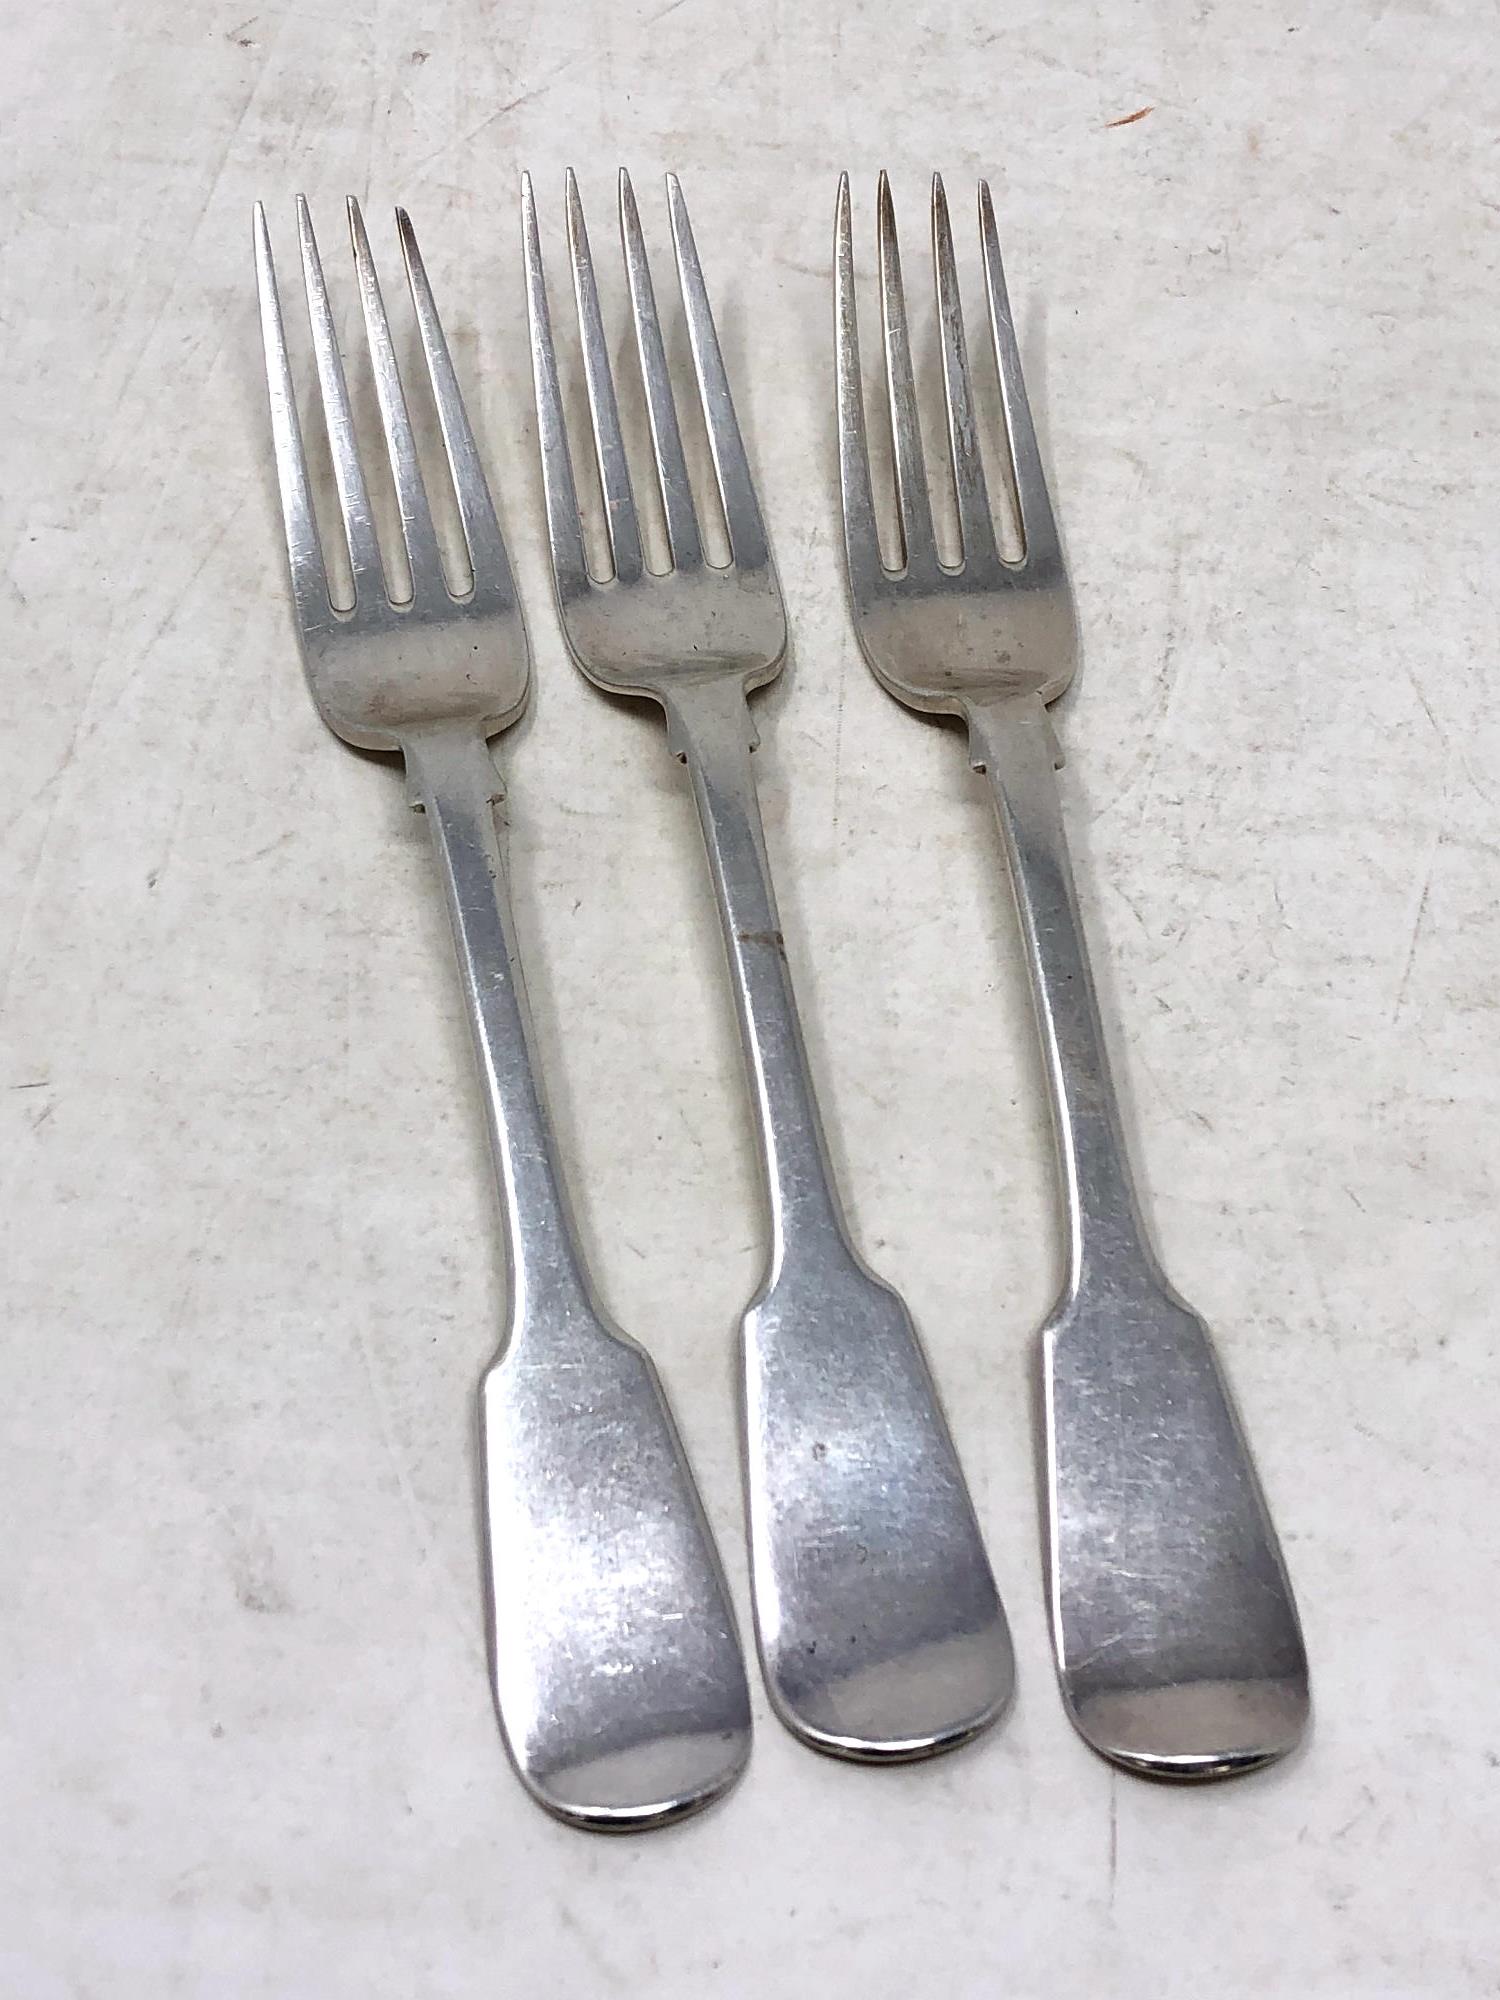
[
  {"x": 452, "y": 775},
  {"x": 1108, "y": 1248},
  {"x": 711, "y": 730}
]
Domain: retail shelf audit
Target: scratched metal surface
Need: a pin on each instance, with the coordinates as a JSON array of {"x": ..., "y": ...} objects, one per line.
[{"x": 247, "y": 1735}]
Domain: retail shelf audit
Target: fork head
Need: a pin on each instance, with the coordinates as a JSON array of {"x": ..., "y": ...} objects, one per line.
[
  {"x": 942, "y": 637},
  {"x": 638, "y": 630},
  {"x": 387, "y": 666}
]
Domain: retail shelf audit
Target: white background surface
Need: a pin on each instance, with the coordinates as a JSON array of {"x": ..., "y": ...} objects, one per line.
[{"x": 250, "y": 1278}]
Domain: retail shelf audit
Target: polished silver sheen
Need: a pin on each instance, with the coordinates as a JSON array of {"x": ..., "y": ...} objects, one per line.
[
  {"x": 879, "y": 1626},
  {"x": 1177, "y": 1640},
  {"x": 616, "y": 1666}
]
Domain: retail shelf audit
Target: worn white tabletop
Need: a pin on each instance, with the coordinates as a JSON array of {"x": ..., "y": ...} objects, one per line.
[{"x": 250, "y": 1274}]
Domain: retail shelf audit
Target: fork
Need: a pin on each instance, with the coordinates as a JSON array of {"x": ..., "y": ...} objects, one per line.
[
  {"x": 614, "y": 1660},
  {"x": 1178, "y": 1647},
  {"x": 880, "y": 1630}
]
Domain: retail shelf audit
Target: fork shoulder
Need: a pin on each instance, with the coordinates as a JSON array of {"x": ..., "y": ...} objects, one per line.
[
  {"x": 658, "y": 633},
  {"x": 952, "y": 642}
]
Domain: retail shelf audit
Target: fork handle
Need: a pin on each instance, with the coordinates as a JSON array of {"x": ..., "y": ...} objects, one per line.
[
  {"x": 1178, "y": 1648},
  {"x": 712, "y": 731},
  {"x": 880, "y": 1629},
  {"x": 613, "y": 1651},
  {"x": 452, "y": 776},
  {"x": 1013, "y": 741}
]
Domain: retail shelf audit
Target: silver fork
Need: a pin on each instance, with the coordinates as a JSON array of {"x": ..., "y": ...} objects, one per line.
[
  {"x": 616, "y": 1667},
  {"x": 879, "y": 1626},
  {"x": 1177, "y": 1641}
]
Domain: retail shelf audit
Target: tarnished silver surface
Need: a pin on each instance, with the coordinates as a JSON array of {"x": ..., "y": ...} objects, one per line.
[
  {"x": 879, "y": 1625},
  {"x": 615, "y": 1662},
  {"x": 1178, "y": 1646}
]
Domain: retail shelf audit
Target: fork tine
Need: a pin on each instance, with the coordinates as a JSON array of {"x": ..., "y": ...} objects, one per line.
[
  {"x": 666, "y": 436},
  {"x": 861, "y": 535},
  {"x": 303, "y": 550},
  {"x": 1038, "y": 528},
  {"x": 411, "y": 496},
  {"x": 604, "y": 410},
  {"x": 913, "y": 508},
  {"x": 564, "y": 529},
  {"x": 747, "y": 534},
  {"x": 970, "y": 490},
  {"x": 338, "y": 421},
  {"x": 488, "y": 561}
]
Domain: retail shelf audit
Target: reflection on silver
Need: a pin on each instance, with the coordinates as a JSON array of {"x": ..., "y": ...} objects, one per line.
[
  {"x": 879, "y": 1625},
  {"x": 616, "y": 1666},
  {"x": 1178, "y": 1646}
]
